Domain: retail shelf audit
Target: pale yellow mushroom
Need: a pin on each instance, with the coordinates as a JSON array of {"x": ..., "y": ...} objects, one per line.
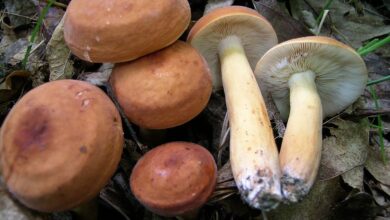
[
  {"x": 309, "y": 78},
  {"x": 232, "y": 40}
]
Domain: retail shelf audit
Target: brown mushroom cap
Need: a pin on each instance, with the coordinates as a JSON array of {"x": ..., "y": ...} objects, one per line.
[
  {"x": 174, "y": 178},
  {"x": 122, "y": 30},
  {"x": 164, "y": 89},
  {"x": 60, "y": 144},
  {"x": 255, "y": 32},
  {"x": 341, "y": 74}
]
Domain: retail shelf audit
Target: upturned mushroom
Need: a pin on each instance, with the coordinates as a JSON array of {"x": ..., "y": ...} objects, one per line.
[
  {"x": 59, "y": 145},
  {"x": 163, "y": 89},
  {"x": 174, "y": 179},
  {"x": 309, "y": 78},
  {"x": 232, "y": 40},
  {"x": 123, "y": 30}
]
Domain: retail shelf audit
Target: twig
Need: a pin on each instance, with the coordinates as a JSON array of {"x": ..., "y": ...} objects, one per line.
[
  {"x": 129, "y": 127},
  {"x": 18, "y": 15},
  {"x": 58, "y": 4}
]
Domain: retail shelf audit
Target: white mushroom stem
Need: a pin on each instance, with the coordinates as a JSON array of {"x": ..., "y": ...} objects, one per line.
[
  {"x": 253, "y": 152},
  {"x": 301, "y": 147}
]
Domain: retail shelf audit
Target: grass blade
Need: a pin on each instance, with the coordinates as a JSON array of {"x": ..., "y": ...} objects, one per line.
[{"x": 35, "y": 31}]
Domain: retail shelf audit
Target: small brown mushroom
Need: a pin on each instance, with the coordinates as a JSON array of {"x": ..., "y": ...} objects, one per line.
[
  {"x": 174, "y": 179},
  {"x": 163, "y": 89},
  {"x": 123, "y": 30},
  {"x": 309, "y": 78},
  {"x": 59, "y": 145}
]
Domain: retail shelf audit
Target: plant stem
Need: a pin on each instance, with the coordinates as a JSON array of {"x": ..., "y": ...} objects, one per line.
[
  {"x": 327, "y": 5},
  {"x": 35, "y": 31},
  {"x": 373, "y": 82},
  {"x": 380, "y": 125},
  {"x": 370, "y": 47}
]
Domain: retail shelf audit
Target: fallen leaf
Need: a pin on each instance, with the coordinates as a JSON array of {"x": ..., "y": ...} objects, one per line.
[
  {"x": 359, "y": 205},
  {"x": 286, "y": 27},
  {"x": 58, "y": 55},
  {"x": 98, "y": 78},
  {"x": 385, "y": 188},
  {"x": 52, "y": 18},
  {"x": 344, "y": 22},
  {"x": 376, "y": 166},
  {"x": 11, "y": 210},
  {"x": 214, "y": 4},
  {"x": 317, "y": 204},
  {"x": 354, "y": 177},
  {"x": 20, "y": 11},
  {"x": 345, "y": 149}
]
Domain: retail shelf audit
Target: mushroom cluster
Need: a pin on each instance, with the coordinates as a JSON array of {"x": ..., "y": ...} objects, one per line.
[{"x": 160, "y": 82}]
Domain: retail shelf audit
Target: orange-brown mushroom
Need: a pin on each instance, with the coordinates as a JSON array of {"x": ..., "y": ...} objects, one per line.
[
  {"x": 122, "y": 30},
  {"x": 174, "y": 179},
  {"x": 163, "y": 89},
  {"x": 60, "y": 144}
]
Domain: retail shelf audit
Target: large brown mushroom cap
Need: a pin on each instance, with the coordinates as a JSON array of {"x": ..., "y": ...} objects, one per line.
[
  {"x": 341, "y": 74},
  {"x": 164, "y": 89},
  {"x": 60, "y": 144},
  {"x": 255, "y": 32},
  {"x": 174, "y": 178},
  {"x": 123, "y": 30}
]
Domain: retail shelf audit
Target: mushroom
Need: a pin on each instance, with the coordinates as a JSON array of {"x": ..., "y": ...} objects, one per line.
[
  {"x": 122, "y": 30},
  {"x": 174, "y": 179},
  {"x": 163, "y": 89},
  {"x": 232, "y": 39},
  {"x": 309, "y": 78},
  {"x": 59, "y": 145}
]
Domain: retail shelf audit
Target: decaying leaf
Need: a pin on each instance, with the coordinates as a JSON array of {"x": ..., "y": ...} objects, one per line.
[
  {"x": 344, "y": 21},
  {"x": 317, "y": 204},
  {"x": 359, "y": 205},
  {"x": 385, "y": 188},
  {"x": 12, "y": 210},
  {"x": 58, "y": 55},
  {"x": 20, "y": 11},
  {"x": 345, "y": 149},
  {"x": 213, "y": 4},
  {"x": 286, "y": 27},
  {"x": 100, "y": 77},
  {"x": 11, "y": 89},
  {"x": 376, "y": 166},
  {"x": 354, "y": 177},
  {"x": 7, "y": 39}
]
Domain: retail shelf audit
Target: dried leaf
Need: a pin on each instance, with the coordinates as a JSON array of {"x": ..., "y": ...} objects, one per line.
[
  {"x": 286, "y": 27},
  {"x": 100, "y": 77},
  {"x": 58, "y": 55},
  {"x": 21, "y": 11},
  {"x": 345, "y": 149},
  {"x": 360, "y": 205},
  {"x": 214, "y": 4},
  {"x": 376, "y": 166},
  {"x": 354, "y": 177},
  {"x": 317, "y": 204},
  {"x": 385, "y": 188},
  {"x": 345, "y": 22},
  {"x": 11, "y": 210}
]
